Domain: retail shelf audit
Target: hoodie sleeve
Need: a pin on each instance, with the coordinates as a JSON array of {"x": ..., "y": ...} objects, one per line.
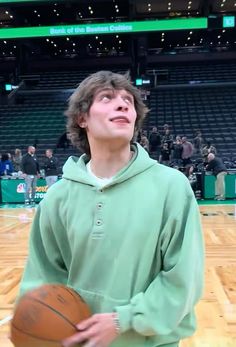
[
  {"x": 45, "y": 262},
  {"x": 174, "y": 292}
]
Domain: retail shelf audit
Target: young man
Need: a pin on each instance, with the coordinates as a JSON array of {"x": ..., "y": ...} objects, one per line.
[{"x": 112, "y": 230}]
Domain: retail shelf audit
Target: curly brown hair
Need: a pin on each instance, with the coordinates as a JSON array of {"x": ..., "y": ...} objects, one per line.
[{"x": 82, "y": 99}]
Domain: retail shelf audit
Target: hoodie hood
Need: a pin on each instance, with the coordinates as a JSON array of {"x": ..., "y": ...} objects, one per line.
[{"x": 75, "y": 167}]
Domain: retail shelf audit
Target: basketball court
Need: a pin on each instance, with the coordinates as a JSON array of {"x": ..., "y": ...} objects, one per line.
[{"x": 216, "y": 311}]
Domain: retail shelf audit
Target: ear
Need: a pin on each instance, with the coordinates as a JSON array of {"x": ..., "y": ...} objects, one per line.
[{"x": 81, "y": 121}]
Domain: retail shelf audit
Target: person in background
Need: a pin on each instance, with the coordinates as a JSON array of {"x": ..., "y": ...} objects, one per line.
[
  {"x": 30, "y": 169},
  {"x": 50, "y": 167},
  {"x": 6, "y": 167},
  {"x": 191, "y": 175},
  {"x": 110, "y": 230},
  {"x": 165, "y": 155},
  {"x": 144, "y": 143},
  {"x": 17, "y": 158},
  {"x": 154, "y": 143},
  {"x": 208, "y": 148},
  {"x": 168, "y": 138},
  {"x": 198, "y": 142},
  {"x": 187, "y": 151},
  {"x": 177, "y": 149},
  {"x": 219, "y": 170}
]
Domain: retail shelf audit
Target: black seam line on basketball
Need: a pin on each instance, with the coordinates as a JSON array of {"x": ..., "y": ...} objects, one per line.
[
  {"x": 72, "y": 292},
  {"x": 53, "y": 309},
  {"x": 34, "y": 337}
]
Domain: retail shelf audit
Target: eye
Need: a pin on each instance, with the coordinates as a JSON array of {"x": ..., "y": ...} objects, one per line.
[
  {"x": 106, "y": 97},
  {"x": 128, "y": 99}
]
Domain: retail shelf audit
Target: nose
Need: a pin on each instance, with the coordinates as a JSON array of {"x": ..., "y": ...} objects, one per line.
[{"x": 121, "y": 104}]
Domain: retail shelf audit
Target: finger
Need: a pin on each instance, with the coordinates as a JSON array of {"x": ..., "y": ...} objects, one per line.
[
  {"x": 90, "y": 344},
  {"x": 87, "y": 323},
  {"x": 76, "y": 338}
]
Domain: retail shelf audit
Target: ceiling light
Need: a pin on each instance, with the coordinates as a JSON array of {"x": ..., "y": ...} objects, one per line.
[
  {"x": 120, "y": 41},
  {"x": 149, "y": 9},
  {"x": 5, "y": 42},
  {"x": 100, "y": 42},
  {"x": 117, "y": 10},
  {"x": 223, "y": 31},
  {"x": 58, "y": 14},
  {"x": 190, "y": 33},
  {"x": 90, "y": 8},
  {"x": 11, "y": 16},
  {"x": 96, "y": 37},
  {"x": 68, "y": 39},
  {"x": 189, "y": 38},
  {"x": 91, "y": 12},
  {"x": 6, "y": 12},
  {"x": 162, "y": 39},
  {"x": 73, "y": 44},
  {"x": 219, "y": 36},
  {"x": 169, "y": 8},
  {"x": 35, "y": 11},
  {"x": 222, "y": 5},
  {"x": 54, "y": 10}
]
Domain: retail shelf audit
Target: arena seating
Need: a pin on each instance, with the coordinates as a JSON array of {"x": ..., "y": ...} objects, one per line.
[{"x": 37, "y": 117}]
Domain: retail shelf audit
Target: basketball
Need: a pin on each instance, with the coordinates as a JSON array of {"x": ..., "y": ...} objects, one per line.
[{"x": 46, "y": 315}]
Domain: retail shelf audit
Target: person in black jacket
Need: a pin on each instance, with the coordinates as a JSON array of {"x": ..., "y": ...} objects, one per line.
[
  {"x": 50, "y": 167},
  {"x": 30, "y": 169},
  {"x": 219, "y": 170}
]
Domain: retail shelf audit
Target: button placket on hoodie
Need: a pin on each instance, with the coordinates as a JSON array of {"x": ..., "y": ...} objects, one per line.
[{"x": 98, "y": 223}]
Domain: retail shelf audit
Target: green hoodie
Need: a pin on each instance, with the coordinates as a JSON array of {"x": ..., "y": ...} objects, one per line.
[{"x": 134, "y": 247}]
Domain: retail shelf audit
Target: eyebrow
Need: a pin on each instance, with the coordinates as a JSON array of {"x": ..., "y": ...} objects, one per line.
[{"x": 113, "y": 90}]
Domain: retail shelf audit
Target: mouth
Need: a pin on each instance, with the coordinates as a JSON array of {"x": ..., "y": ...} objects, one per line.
[{"x": 120, "y": 119}]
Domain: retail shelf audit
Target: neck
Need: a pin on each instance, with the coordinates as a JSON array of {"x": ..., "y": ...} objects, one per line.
[{"x": 106, "y": 162}]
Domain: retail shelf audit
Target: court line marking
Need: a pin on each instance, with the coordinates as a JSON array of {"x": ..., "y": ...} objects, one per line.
[
  {"x": 18, "y": 217},
  {"x": 6, "y": 320}
]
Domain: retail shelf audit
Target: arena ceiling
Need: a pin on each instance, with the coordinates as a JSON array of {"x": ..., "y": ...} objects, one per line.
[{"x": 18, "y": 13}]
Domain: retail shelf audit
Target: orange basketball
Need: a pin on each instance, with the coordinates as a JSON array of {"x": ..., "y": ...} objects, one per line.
[{"x": 46, "y": 315}]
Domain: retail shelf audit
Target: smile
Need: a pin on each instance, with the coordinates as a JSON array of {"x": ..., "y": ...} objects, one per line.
[{"x": 120, "y": 119}]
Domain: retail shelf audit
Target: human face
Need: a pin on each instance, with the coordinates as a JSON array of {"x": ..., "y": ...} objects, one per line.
[
  {"x": 31, "y": 150},
  {"x": 111, "y": 117},
  {"x": 48, "y": 153}
]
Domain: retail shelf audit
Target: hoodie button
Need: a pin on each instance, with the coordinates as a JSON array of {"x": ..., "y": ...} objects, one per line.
[
  {"x": 98, "y": 222},
  {"x": 99, "y": 206}
]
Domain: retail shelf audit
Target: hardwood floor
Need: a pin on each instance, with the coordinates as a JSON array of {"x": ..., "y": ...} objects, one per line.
[{"x": 216, "y": 311}]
